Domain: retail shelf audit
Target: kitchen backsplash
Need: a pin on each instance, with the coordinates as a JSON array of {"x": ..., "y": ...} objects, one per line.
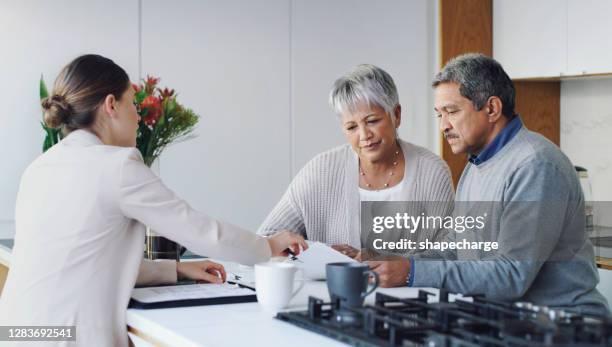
[{"x": 586, "y": 133}]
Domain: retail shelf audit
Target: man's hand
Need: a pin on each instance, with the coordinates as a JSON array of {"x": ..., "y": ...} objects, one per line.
[
  {"x": 392, "y": 272},
  {"x": 286, "y": 240},
  {"x": 201, "y": 271}
]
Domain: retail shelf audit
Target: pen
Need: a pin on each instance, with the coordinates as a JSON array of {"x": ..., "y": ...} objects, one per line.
[{"x": 292, "y": 254}]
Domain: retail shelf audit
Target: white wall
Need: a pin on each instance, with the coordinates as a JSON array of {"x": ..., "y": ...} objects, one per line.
[
  {"x": 230, "y": 63},
  {"x": 330, "y": 37},
  {"x": 40, "y": 37},
  {"x": 258, "y": 72},
  {"x": 586, "y": 128}
]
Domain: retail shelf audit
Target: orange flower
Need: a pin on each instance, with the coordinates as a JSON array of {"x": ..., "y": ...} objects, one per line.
[
  {"x": 154, "y": 110},
  {"x": 150, "y": 83},
  {"x": 136, "y": 87}
]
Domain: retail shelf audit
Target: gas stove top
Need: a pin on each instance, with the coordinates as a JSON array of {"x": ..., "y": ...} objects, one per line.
[{"x": 393, "y": 321}]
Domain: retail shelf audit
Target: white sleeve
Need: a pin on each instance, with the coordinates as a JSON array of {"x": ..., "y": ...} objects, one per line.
[
  {"x": 144, "y": 197},
  {"x": 153, "y": 272}
]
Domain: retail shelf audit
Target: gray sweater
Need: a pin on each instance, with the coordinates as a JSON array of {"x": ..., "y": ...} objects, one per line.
[
  {"x": 323, "y": 204},
  {"x": 545, "y": 256}
]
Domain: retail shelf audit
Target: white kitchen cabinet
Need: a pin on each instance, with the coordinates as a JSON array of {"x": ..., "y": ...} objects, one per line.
[
  {"x": 552, "y": 38},
  {"x": 529, "y": 37},
  {"x": 589, "y": 37}
]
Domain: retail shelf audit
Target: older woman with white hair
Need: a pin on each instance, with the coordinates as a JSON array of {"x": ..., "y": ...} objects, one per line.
[{"x": 323, "y": 200}]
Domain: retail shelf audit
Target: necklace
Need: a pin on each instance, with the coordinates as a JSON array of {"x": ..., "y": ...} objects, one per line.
[{"x": 391, "y": 172}]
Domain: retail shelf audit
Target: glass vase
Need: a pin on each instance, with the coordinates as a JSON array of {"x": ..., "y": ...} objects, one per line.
[{"x": 157, "y": 246}]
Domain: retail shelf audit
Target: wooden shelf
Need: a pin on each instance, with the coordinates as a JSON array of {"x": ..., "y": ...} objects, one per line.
[{"x": 604, "y": 263}]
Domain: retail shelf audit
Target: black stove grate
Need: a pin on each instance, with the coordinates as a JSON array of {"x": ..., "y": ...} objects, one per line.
[{"x": 393, "y": 321}]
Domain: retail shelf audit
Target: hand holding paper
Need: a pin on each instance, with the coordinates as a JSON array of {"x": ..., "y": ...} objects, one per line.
[{"x": 314, "y": 259}]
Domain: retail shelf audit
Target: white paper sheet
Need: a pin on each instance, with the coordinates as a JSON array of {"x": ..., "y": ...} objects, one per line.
[
  {"x": 189, "y": 291},
  {"x": 314, "y": 259}
]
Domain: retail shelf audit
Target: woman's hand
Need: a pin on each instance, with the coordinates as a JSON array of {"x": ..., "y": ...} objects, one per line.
[
  {"x": 285, "y": 240},
  {"x": 352, "y": 252},
  {"x": 201, "y": 271},
  {"x": 347, "y": 250}
]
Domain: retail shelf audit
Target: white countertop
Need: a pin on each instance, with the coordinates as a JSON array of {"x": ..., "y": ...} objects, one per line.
[
  {"x": 239, "y": 324},
  {"x": 226, "y": 325},
  {"x": 5, "y": 256},
  {"x": 233, "y": 324},
  {"x": 7, "y": 231}
]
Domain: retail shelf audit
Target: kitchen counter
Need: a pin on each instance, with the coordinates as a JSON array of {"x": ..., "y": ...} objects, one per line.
[
  {"x": 7, "y": 233},
  {"x": 238, "y": 324},
  {"x": 5, "y": 260},
  {"x": 601, "y": 237},
  {"x": 5, "y": 251},
  {"x": 247, "y": 324},
  {"x": 227, "y": 325}
]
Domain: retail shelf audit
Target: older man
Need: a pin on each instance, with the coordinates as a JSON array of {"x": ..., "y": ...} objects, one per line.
[{"x": 544, "y": 254}]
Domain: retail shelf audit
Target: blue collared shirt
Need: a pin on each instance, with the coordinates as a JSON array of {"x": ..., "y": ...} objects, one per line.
[
  {"x": 504, "y": 136},
  {"x": 410, "y": 279}
]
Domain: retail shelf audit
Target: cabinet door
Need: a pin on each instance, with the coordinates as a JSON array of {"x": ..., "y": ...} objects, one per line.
[
  {"x": 529, "y": 37},
  {"x": 589, "y": 36}
]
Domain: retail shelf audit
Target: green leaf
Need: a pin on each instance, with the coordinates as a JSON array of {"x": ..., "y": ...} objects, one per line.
[
  {"x": 43, "y": 88},
  {"x": 161, "y": 121},
  {"x": 140, "y": 96},
  {"x": 169, "y": 106},
  {"x": 49, "y": 136}
]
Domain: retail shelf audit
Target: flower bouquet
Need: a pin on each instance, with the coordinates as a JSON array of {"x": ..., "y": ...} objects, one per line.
[{"x": 162, "y": 119}]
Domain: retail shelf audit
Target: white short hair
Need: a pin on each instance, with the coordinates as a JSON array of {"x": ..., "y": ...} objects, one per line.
[{"x": 366, "y": 83}]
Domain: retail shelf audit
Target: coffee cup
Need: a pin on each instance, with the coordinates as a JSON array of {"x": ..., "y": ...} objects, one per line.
[
  {"x": 349, "y": 283},
  {"x": 274, "y": 284}
]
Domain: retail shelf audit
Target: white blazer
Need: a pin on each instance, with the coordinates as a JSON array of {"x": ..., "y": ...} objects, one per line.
[{"x": 79, "y": 238}]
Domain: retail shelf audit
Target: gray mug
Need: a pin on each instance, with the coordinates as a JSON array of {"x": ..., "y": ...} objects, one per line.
[{"x": 348, "y": 283}]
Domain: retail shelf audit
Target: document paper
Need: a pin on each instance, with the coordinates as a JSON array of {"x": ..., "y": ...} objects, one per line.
[
  {"x": 314, "y": 259},
  {"x": 188, "y": 292}
]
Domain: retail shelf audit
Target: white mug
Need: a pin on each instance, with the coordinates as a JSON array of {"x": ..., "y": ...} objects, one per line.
[{"x": 274, "y": 284}]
